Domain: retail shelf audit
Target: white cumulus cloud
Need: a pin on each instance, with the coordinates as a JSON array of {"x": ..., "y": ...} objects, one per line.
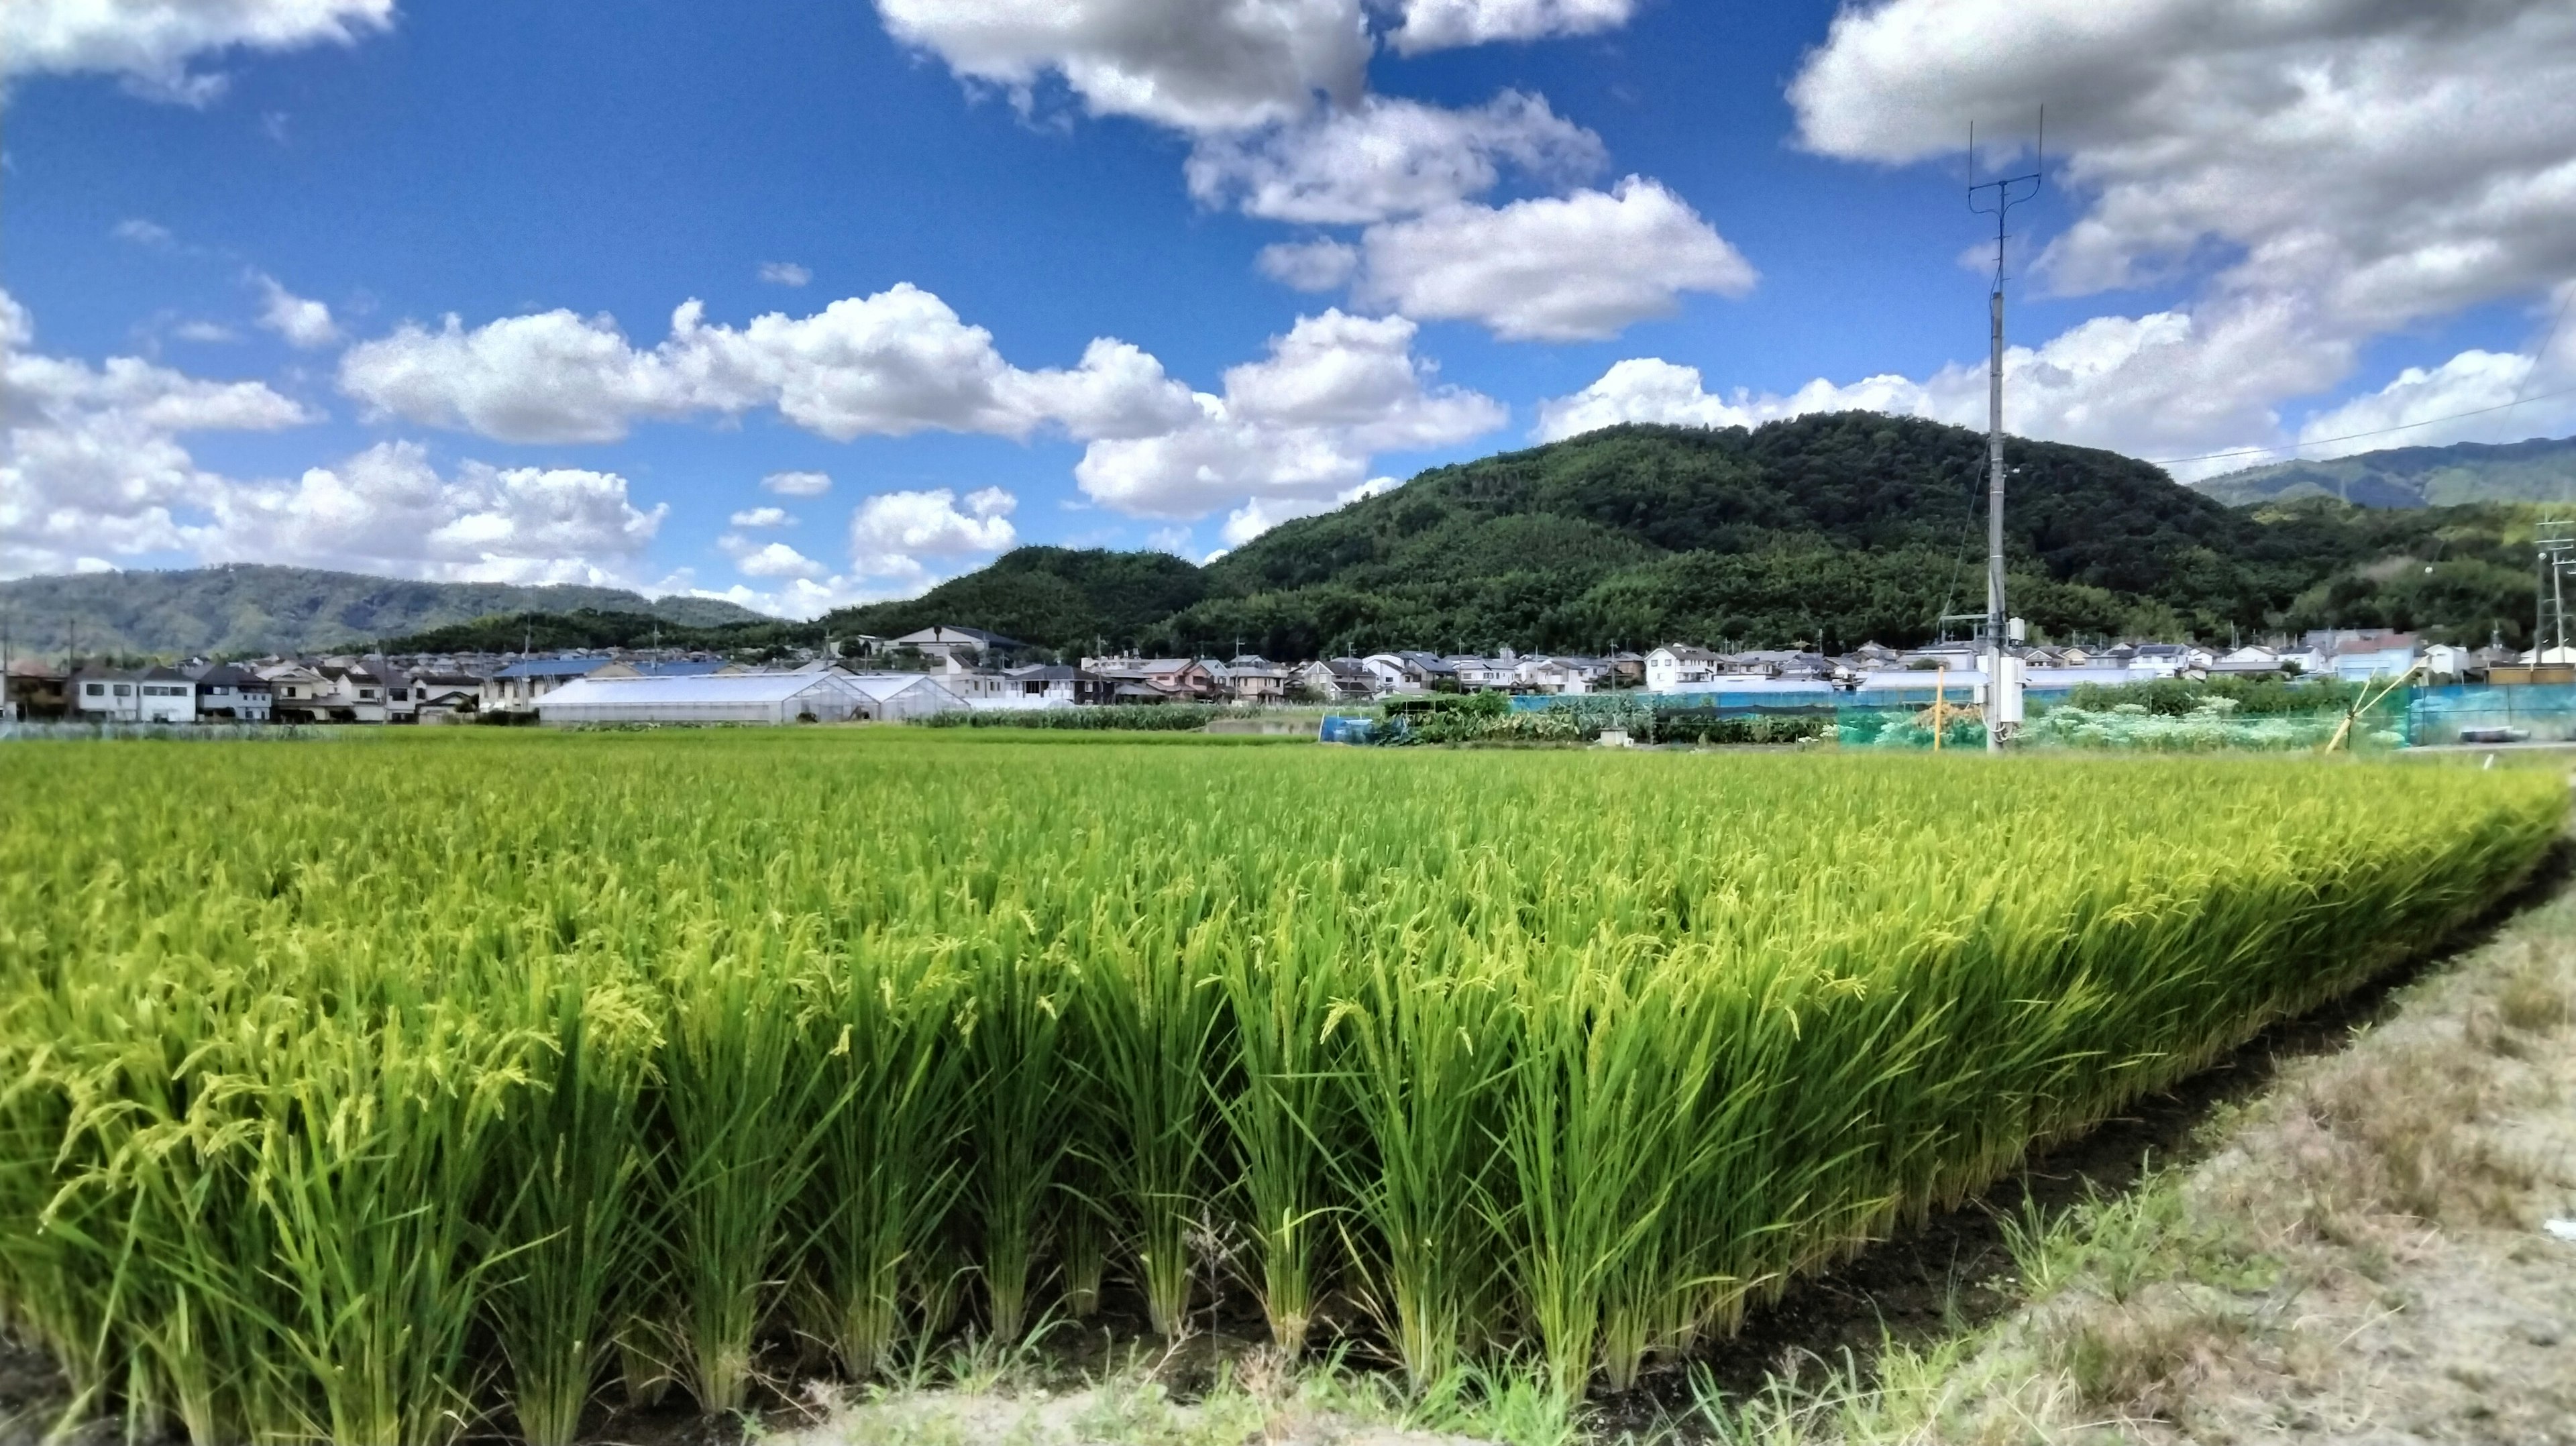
[
  {"x": 760, "y": 517},
  {"x": 1191, "y": 64},
  {"x": 797, "y": 484},
  {"x": 891, "y": 532},
  {"x": 1577, "y": 267},
  {"x": 784, "y": 273},
  {"x": 152, "y": 44},
  {"x": 891, "y": 364},
  {"x": 1322, "y": 264},
  {"x": 2166, "y": 384},
  {"x": 1440, "y": 24},
  {"x": 387, "y": 510},
  {"x": 1302, "y": 423},
  {"x": 2323, "y": 171},
  {"x": 91, "y": 464},
  {"x": 1386, "y": 157},
  {"x": 92, "y": 468},
  {"x": 2385, "y": 161},
  {"x": 306, "y": 324},
  {"x": 772, "y": 559},
  {"x": 1261, "y": 514}
]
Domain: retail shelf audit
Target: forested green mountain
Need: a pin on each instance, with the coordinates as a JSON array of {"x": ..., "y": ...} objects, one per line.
[
  {"x": 1075, "y": 599},
  {"x": 1827, "y": 530},
  {"x": 250, "y": 608},
  {"x": 2539, "y": 470}
]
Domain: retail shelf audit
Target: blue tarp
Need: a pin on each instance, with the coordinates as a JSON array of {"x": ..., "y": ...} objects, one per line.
[{"x": 1338, "y": 729}]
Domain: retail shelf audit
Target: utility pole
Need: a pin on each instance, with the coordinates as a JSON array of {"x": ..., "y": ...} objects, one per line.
[{"x": 2009, "y": 191}]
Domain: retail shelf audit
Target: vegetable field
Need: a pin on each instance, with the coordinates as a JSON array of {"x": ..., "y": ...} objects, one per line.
[{"x": 376, "y": 1094}]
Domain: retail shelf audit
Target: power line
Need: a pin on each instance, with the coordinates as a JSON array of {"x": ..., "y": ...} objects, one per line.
[{"x": 2375, "y": 432}]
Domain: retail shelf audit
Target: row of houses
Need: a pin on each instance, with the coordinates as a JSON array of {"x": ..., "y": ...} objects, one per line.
[{"x": 608, "y": 687}]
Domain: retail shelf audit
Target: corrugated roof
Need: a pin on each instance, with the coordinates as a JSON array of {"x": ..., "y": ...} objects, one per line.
[
  {"x": 552, "y": 668},
  {"x": 716, "y": 688}
]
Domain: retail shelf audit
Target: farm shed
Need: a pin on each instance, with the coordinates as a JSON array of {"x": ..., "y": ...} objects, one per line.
[{"x": 829, "y": 697}]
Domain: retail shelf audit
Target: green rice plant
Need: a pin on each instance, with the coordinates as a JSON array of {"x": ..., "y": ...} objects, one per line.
[
  {"x": 885, "y": 1168},
  {"x": 570, "y": 1231},
  {"x": 743, "y": 1087},
  {"x": 1280, "y": 1105},
  {"x": 1014, "y": 1039},
  {"x": 1422, "y": 1073},
  {"x": 487, "y": 1064},
  {"x": 1149, "y": 1014}
]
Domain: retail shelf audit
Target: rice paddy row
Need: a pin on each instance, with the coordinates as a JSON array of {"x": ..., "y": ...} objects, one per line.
[{"x": 373, "y": 1095}]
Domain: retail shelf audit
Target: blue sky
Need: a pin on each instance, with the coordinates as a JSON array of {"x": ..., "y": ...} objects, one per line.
[{"x": 235, "y": 231}]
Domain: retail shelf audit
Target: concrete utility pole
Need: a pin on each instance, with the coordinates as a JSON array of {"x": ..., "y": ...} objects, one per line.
[{"x": 2003, "y": 693}]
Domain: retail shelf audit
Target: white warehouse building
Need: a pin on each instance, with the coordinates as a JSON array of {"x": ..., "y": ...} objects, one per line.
[{"x": 823, "y": 697}]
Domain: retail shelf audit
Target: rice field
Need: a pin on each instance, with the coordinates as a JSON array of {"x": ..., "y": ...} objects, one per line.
[{"x": 474, "y": 1082}]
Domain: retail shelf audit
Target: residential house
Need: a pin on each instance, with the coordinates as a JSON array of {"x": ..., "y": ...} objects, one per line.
[
  {"x": 1568, "y": 676},
  {"x": 351, "y": 692},
  {"x": 1336, "y": 680},
  {"x": 2450, "y": 662},
  {"x": 664, "y": 668},
  {"x": 1677, "y": 665},
  {"x": 2252, "y": 658},
  {"x": 2373, "y": 655},
  {"x": 1411, "y": 672},
  {"x": 950, "y": 643},
  {"x": 444, "y": 697},
  {"x": 1057, "y": 685},
  {"x": 1874, "y": 655},
  {"x": 35, "y": 689},
  {"x": 154, "y": 695},
  {"x": 229, "y": 692},
  {"x": 516, "y": 688},
  {"x": 1485, "y": 675},
  {"x": 1627, "y": 670},
  {"x": 1255, "y": 679},
  {"x": 1157, "y": 680},
  {"x": 295, "y": 691},
  {"x": 2167, "y": 660}
]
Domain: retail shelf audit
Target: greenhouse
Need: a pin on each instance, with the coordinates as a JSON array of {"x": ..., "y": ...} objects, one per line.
[{"x": 822, "y": 697}]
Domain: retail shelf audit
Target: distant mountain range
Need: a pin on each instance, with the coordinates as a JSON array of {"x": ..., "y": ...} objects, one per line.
[
  {"x": 2540, "y": 470},
  {"x": 252, "y": 608}
]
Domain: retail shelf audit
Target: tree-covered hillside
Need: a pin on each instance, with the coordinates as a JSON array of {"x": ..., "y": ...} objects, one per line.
[
  {"x": 249, "y": 608},
  {"x": 1824, "y": 530},
  {"x": 1070, "y": 599}
]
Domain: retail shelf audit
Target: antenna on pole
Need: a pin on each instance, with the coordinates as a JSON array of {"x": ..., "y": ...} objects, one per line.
[{"x": 2003, "y": 697}]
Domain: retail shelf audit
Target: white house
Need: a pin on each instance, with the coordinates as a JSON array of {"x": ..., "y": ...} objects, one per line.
[
  {"x": 1409, "y": 672},
  {"x": 232, "y": 693},
  {"x": 2252, "y": 658},
  {"x": 1485, "y": 674},
  {"x": 1671, "y": 667},
  {"x": 828, "y": 696},
  {"x": 1569, "y": 676},
  {"x": 156, "y": 695}
]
